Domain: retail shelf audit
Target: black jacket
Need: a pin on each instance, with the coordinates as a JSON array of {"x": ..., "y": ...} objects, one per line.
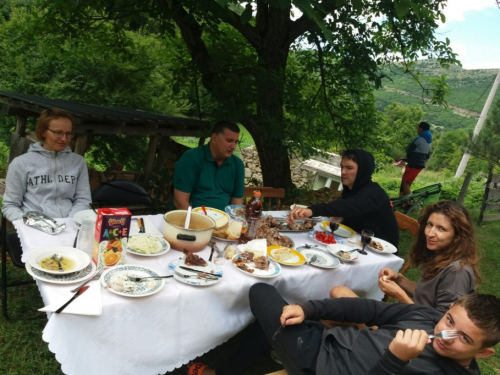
[
  {"x": 366, "y": 206},
  {"x": 349, "y": 350}
]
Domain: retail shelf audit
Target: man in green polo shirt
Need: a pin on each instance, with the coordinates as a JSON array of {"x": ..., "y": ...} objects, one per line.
[{"x": 211, "y": 175}]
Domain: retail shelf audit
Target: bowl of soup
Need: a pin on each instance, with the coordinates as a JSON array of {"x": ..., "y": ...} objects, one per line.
[
  {"x": 193, "y": 239},
  {"x": 73, "y": 260}
]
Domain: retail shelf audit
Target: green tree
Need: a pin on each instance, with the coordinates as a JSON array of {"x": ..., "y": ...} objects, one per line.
[
  {"x": 399, "y": 128},
  {"x": 241, "y": 50}
]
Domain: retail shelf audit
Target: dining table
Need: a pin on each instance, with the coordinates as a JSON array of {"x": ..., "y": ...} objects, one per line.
[{"x": 157, "y": 333}]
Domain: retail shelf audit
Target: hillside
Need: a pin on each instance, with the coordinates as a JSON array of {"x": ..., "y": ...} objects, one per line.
[{"x": 469, "y": 91}]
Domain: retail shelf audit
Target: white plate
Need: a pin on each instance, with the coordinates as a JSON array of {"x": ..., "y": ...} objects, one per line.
[
  {"x": 230, "y": 210},
  {"x": 79, "y": 258},
  {"x": 273, "y": 270},
  {"x": 194, "y": 280},
  {"x": 214, "y": 213},
  {"x": 142, "y": 288},
  {"x": 80, "y": 216},
  {"x": 69, "y": 278},
  {"x": 335, "y": 249},
  {"x": 389, "y": 248},
  {"x": 323, "y": 258},
  {"x": 343, "y": 231},
  {"x": 163, "y": 245}
]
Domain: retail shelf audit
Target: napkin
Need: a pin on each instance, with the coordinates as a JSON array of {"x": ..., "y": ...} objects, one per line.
[
  {"x": 88, "y": 303},
  {"x": 259, "y": 245},
  {"x": 148, "y": 224}
]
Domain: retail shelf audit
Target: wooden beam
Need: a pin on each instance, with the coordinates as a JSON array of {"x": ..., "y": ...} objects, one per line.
[
  {"x": 151, "y": 156},
  {"x": 21, "y": 125},
  {"x": 81, "y": 143},
  {"x": 14, "y": 111},
  {"x": 491, "y": 217},
  {"x": 135, "y": 130}
]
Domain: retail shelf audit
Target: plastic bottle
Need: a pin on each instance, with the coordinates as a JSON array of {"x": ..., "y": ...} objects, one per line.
[{"x": 253, "y": 213}]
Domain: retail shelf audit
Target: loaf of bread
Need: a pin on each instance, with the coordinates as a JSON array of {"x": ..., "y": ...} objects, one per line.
[{"x": 233, "y": 231}]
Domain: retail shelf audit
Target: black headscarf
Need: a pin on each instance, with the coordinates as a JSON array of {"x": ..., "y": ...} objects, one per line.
[{"x": 366, "y": 167}]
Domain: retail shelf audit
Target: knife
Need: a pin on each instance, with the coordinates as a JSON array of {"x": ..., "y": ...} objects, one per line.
[
  {"x": 81, "y": 291},
  {"x": 140, "y": 223},
  {"x": 198, "y": 271}
]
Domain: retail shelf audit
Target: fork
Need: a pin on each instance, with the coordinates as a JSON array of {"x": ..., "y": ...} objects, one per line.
[
  {"x": 137, "y": 279},
  {"x": 446, "y": 334},
  {"x": 95, "y": 277},
  {"x": 313, "y": 259},
  {"x": 198, "y": 277}
]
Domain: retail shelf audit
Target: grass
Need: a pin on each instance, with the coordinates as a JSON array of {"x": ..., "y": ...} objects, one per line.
[{"x": 22, "y": 350}]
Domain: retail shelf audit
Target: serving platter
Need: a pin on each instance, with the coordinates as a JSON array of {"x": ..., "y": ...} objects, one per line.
[
  {"x": 69, "y": 278},
  {"x": 140, "y": 289},
  {"x": 298, "y": 259},
  {"x": 324, "y": 259},
  {"x": 210, "y": 268},
  {"x": 78, "y": 257},
  {"x": 283, "y": 227},
  {"x": 273, "y": 271},
  {"x": 163, "y": 245},
  {"x": 389, "y": 248}
]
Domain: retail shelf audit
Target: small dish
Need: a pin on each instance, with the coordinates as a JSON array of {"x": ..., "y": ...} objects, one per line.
[
  {"x": 77, "y": 257},
  {"x": 80, "y": 216},
  {"x": 273, "y": 270},
  {"x": 337, "y": 249}
]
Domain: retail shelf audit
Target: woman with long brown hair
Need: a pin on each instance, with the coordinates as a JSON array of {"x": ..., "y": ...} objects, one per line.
[{"x": 446, "y": 253}]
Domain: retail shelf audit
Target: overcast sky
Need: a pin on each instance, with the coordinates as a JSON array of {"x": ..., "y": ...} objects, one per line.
[{"x": 473, "y": 27}]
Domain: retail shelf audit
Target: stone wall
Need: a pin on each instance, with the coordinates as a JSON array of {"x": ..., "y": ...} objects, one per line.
[{"x": 253, "y": 174}]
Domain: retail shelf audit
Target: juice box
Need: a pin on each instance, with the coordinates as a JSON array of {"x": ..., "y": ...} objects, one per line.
[{"x": 111, "y": 235}]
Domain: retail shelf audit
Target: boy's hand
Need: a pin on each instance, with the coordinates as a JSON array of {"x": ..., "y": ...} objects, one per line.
[
  {"x": 409, "y": 344},
  {"x": 292, "y": 314}
]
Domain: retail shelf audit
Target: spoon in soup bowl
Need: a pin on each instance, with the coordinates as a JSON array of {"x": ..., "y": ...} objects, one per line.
[{"x": 58, "y": 258}]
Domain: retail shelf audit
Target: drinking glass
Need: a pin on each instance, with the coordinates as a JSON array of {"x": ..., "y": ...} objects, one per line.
[
  {"x": 85, "y": 239},
  {"x": 366, "y": 238},
  {"x": 334, "y": 223}
]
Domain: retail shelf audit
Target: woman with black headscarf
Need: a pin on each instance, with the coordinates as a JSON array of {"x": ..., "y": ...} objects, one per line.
[{"x": 363, "y": 204}]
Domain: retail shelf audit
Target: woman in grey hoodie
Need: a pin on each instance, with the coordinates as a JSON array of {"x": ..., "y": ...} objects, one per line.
[{"x": 49, "y": 178}]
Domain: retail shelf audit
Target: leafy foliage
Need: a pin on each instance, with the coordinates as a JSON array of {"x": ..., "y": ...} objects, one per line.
[
  {"x": 241, "y": 53},
  {"x": 487, "y": 145}
]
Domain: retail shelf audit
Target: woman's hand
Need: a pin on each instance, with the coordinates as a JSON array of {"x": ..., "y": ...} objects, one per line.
[
  {"x": 299, "y": 213},
  {"x": 388, "y": 273},
  {"x": 392, "y": 289},
  {"x": 292, "y": 314}
]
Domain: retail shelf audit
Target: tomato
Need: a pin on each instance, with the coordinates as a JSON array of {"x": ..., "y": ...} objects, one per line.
[{"x": 325, "y": 238}]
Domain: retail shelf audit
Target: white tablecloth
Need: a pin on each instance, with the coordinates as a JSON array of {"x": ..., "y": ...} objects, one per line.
[{"x": 155, "y": 334}]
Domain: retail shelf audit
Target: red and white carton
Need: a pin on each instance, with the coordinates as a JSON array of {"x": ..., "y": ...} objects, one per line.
[{"x": 111, "y": 236}]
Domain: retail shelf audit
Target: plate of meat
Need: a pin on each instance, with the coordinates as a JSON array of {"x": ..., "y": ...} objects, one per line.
[
  {"x": 200, "y": 273},
  {"x": 268, "y": 229},
  {"x": 380, "y": 246},
  {"x": 261, "y": 266}
]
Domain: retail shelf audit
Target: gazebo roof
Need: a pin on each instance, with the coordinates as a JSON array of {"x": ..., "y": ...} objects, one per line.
[{"x": 105, "y": 120}]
